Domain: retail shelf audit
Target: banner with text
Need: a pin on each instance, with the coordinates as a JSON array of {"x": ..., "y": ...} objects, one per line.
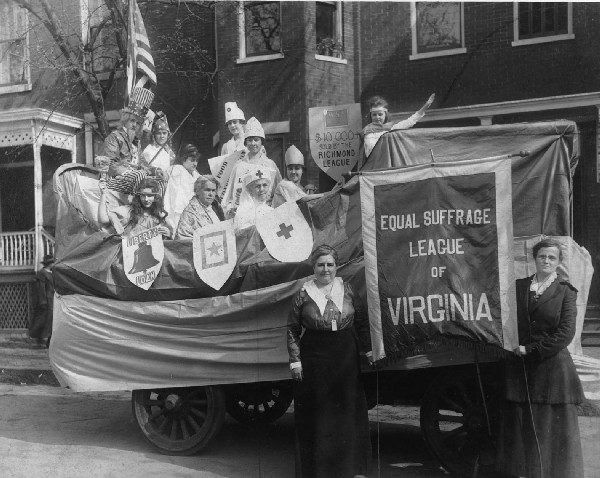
[
  {"x": 438, "y": 256},
  {"x": 335, "y": 138}
]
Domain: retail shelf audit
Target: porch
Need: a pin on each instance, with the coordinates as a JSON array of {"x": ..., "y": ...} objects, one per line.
[{"x": 33, "y": 143}]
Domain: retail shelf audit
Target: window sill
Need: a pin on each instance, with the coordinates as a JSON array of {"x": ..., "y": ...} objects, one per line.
[
  {"x": 331, "y": 59},
  {"x": 15, "y": 88},
  {"x": 433, "y": 54},
  {"x": 535, "y": 41},
  {"x": 253, "y": 59}
]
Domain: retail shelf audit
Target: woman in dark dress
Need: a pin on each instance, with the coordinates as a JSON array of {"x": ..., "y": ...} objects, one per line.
[
  {"x": 539, "y": 430},
  {"x": 330, "y": 409}
]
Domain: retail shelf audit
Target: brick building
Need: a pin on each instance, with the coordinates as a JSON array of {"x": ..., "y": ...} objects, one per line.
[{"x": 487, "y": 62}]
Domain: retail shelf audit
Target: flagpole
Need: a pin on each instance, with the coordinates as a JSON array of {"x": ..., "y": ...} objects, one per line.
[
  {"x": 131, "y": 50},
  {"x": 171, "y": 135}
]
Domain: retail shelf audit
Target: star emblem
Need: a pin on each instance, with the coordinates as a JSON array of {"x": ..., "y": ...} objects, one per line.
[{"x": 214, "y": 249}]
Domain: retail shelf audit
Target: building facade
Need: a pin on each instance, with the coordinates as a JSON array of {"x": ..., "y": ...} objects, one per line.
[{"x": 488, "y": 63}]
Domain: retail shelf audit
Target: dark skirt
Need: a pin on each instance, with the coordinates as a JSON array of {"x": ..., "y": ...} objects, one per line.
[
  {"x": 557, "y": 430},
  {"x": 330, "y": 409}
]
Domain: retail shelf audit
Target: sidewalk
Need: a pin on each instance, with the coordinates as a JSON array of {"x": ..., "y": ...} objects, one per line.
[{"x": 24, "y": 362}]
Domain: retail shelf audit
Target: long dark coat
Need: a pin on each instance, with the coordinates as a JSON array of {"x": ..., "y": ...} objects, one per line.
[{"x": 545, "y": 329}]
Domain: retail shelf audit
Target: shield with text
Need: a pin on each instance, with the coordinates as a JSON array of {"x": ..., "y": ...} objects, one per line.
[
  {"x": 215, "y": 253},
  {"x": 143, "y": 255},
  {"x": 334, "y": 134},
  {"x": 286, "y": 233}
]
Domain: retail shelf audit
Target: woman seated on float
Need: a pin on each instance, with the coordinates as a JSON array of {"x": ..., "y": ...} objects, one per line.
[
  {"x": 254, "y": 199},
  {"x": 254, "y": 140},
  {"x": 290, "y": 189},
  {"x": 180, "y": 187},
  {"x": 145, "y": 211},
  {"x": 202, "y": 210}
]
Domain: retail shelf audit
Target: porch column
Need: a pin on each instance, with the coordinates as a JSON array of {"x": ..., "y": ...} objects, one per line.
[
  {"x": 37, "y": 197},
  {"x": 597, "y": 143}
]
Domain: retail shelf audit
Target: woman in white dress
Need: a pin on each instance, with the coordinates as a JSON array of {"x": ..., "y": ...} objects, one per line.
[
  {"x": 180, "y": 187},
  {"x": 253, "y": 202},
  {"x": 290, "y": 189},
  {"x": 234, "y": 120},
  {"x": 159, "y": 154}
]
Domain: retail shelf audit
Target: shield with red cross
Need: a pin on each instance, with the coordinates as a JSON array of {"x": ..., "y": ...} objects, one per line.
[{"x": 286, "y": 233}]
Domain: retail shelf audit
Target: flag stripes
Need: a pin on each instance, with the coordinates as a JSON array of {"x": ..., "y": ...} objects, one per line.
[{"x": 138, "y": 51}]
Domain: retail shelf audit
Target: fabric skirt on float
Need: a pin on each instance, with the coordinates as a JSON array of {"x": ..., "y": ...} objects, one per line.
[
  {"x": 330, "y": 408},
  {"x": 558, "y": 441}
]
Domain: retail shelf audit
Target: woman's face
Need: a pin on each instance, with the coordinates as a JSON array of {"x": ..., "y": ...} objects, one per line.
[
  {"x": 236, "y": 128},
  {"x": 260, "y": 190},
  {"x": 546, "y": 261},
  {"x": 190, "y": 164},
  {"x": 325, "y": 269},
  {"x": 206, "y": 195},
  {"x": 161, "y": 136},
  {"x": 253, "y": 143},
  {"x": 294, "y": 173},
  {"x": 378, "y": 116},
  {"x": 146, "y": 197}
]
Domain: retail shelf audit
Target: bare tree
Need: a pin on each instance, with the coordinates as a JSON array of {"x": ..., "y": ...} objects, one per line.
[{"x": 92, "y": 58}]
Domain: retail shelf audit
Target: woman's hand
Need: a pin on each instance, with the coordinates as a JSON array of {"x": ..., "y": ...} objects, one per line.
[
  {"x": 297, "y": 374},
  {"x": 520, "y": 351},
  {"x": 164, "y": 230}
]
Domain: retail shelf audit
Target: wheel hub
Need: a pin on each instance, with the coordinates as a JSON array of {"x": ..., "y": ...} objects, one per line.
[{"x": 172, "y": 402}]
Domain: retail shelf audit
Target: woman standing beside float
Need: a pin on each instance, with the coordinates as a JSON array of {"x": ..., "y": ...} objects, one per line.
[
  {"x": 330, "y": 408},
  {"x": 539, "y": 428}
]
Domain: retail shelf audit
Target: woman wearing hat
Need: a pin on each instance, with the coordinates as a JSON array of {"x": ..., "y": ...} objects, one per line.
[
  {"x": 234, "y": 120},
  {"x": 254, "y": 199},
  {"x": 380, "y": 121},
  {"x": 254, "y": 143},
  {"x": 290, "y": 189},
  {"x": 159, "y": 153}
]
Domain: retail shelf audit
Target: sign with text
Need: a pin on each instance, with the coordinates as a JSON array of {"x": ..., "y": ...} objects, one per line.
[
  {"x": 438, "y": 263},
  {"x": 143, "y": 255},
  {"x": 335, "y": 138}
]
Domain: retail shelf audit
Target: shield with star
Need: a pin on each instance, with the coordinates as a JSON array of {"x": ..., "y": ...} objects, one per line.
[
  {"x": 215, "y": 253},
  {"x": 286, "y": 233}
]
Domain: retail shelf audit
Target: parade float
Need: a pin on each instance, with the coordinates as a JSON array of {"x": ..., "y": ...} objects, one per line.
[{"x": 432, "y": 232}]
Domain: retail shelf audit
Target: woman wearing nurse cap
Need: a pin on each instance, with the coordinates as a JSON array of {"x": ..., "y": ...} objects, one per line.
[{"x": 235, "y": 121}]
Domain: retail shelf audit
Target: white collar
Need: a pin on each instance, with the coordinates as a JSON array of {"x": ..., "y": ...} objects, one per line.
[
  {"x": 540, "y": 287},
  {"x": 316, "y": 294}
]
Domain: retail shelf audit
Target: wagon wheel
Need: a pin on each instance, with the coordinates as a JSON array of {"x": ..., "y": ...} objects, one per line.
[
  {"x": 179, "y": 421},
  {"x": 262, "y": 402},
  {"x": 454, "y": 423}
]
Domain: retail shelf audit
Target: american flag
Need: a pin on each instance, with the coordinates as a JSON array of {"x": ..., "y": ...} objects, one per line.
[{"x": 139, "y": 55}]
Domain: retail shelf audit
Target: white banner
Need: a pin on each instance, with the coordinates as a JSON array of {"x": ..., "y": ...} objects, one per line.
[
  {"x": 221, "y": 168},
  {"x": 286, "y": 233},
  {"x": 143, "y": 255},
  {"x": 334, "y": 133},
  {"x": 215, "y": 253}
]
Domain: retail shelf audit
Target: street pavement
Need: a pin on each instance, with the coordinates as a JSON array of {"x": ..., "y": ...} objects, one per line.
[{"x": 48, "y": 431}]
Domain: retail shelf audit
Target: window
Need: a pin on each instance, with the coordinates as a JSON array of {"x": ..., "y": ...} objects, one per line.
[
  {"x": 260, "y": 31},
  {"x": 437, "y": 29},
  {"x": 330, "y": 37},
  {"x": 540, "y": 22},
  {"x": 14, "y": 49},
  {"x": 99, "y": 33}
]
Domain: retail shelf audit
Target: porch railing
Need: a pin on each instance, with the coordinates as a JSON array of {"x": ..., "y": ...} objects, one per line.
[{"x": 17, "y": 249}]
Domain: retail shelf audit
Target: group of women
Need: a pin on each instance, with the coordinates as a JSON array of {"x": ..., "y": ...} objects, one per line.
[{"x": 328, "y": 329}]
